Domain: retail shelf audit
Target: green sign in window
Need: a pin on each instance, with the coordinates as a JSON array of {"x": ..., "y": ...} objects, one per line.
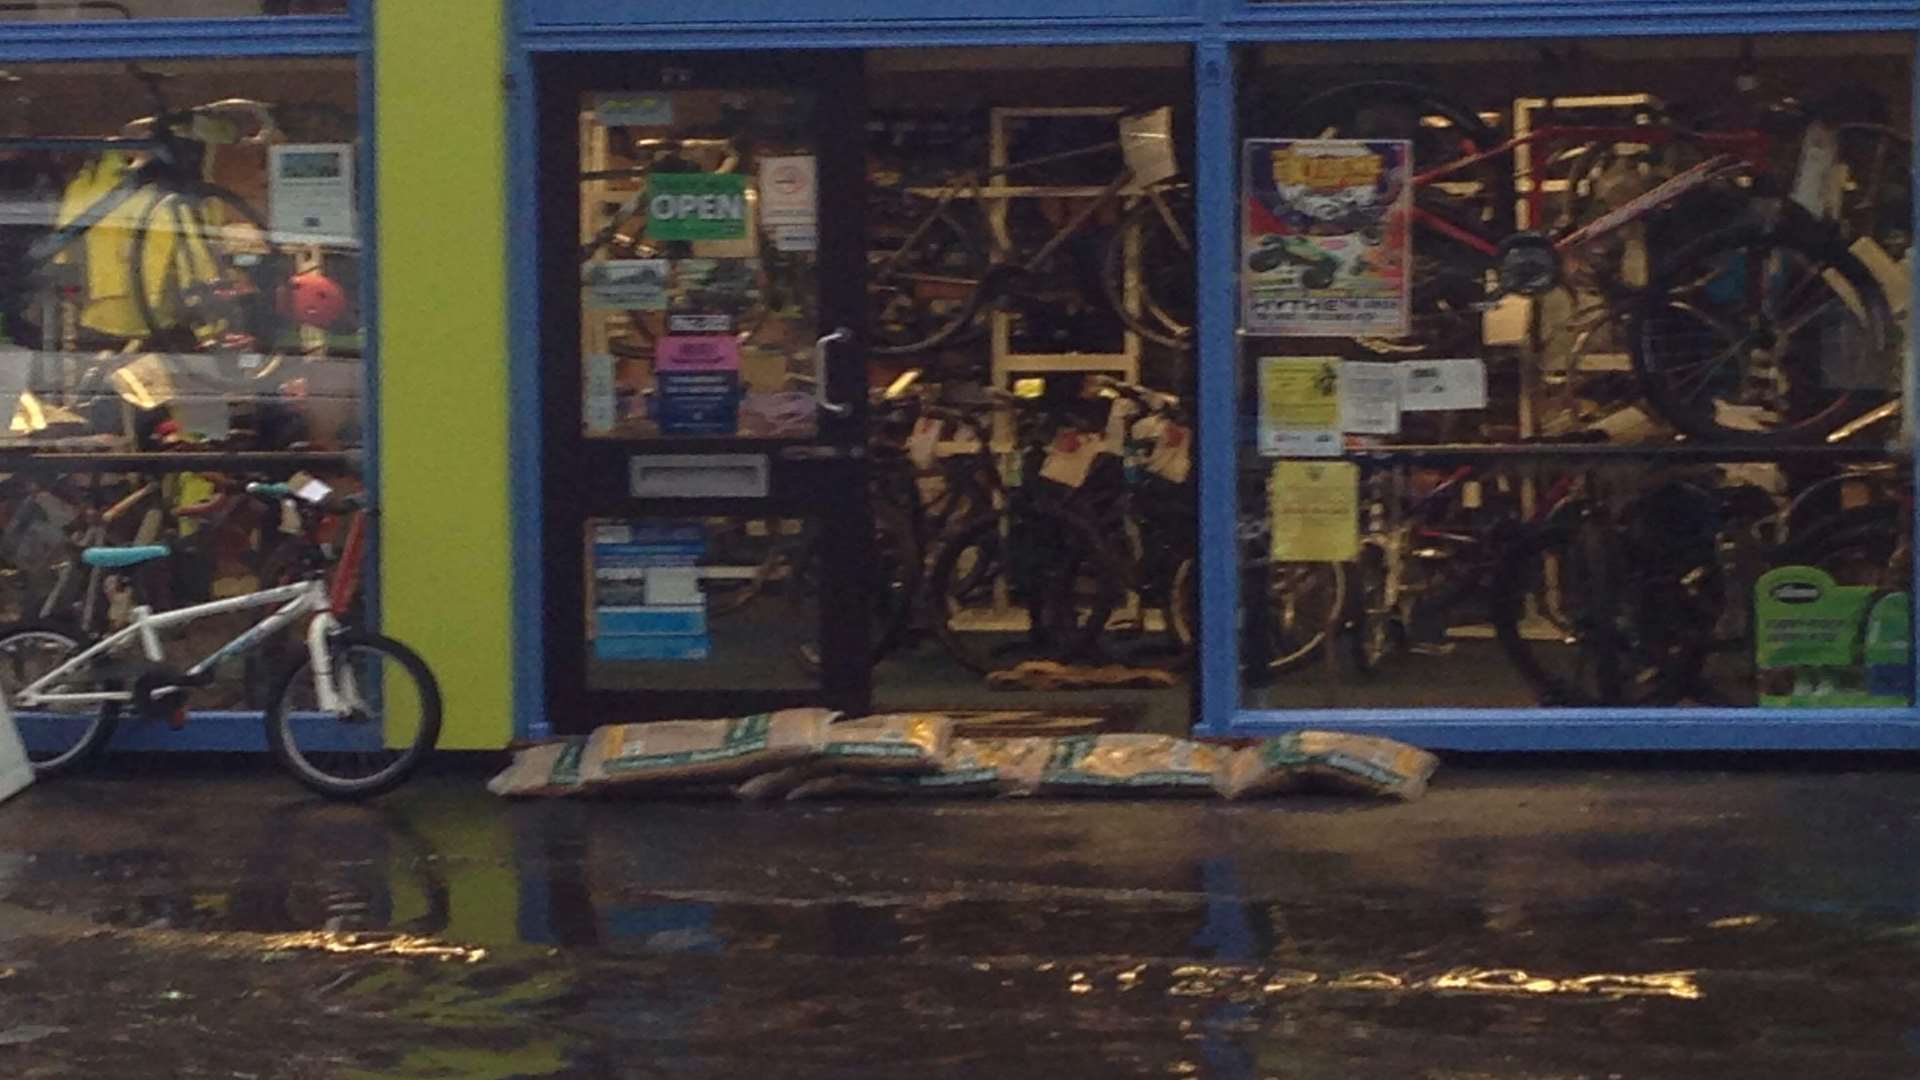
[{"x": 696, "y": 206}]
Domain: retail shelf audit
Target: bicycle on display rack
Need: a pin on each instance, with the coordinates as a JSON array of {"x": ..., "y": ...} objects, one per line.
[
  {"x": 1759, "y": 325},
  {"x": 1428, "y": 557},
  {"x": 352, "y": 716},
  {"x": 934, "y": 267},
  {"x": 1149, "y": 503},
  {"x": 1653, "y": 580},
  {"x": 1034, "y": 575}
]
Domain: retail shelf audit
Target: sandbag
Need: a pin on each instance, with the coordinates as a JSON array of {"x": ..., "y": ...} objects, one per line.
[
  {"x": 1328, "y": 761},
  {"x": 673, "y": 752},
  {"x": 548, "y": 769},
  {"x": 1132, "y": 765},
  {"x": 888, "y": 743},
  {"x": 971, "y": 767}
]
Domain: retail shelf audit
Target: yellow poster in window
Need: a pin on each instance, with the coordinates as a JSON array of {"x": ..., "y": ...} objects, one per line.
[
  {"x": 1314, "y": 510},
  {"x": 1300, "y": 406}
]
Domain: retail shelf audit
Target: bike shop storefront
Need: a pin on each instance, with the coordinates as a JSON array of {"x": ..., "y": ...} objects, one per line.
[
  {"x": 1478, "y": 374},
  {"x": 182, "y": 254}
]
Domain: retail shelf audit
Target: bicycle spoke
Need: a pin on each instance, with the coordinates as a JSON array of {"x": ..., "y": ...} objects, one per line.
[{"x": 1708, "y": 368}]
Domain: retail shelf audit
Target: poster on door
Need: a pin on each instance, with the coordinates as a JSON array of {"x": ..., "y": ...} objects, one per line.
[
  {"x": 647, "y": 603},
  {"x": 1324, "y": 243}
]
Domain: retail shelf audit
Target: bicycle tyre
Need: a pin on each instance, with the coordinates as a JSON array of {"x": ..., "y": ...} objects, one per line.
[
  {"x": 1183, "y": 612},
  {"x": 982, "y": 536},
  {"x": 1374, "y": 631},
  {"x": 1658, "y": 322},
  {"x": 1167, "y": 315},
  {"x": 1873, "y": 533},
  {"x": 104, "y": 719},
  {"x": 1588, "y": 548},
  {"x": 1297, "y": 650},
  {"x": 280, "y": 725},
  {"x": 931, "y": 328}
]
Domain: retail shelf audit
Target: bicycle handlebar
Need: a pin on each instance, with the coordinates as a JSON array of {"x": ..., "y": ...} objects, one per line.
[{"x": 276, "y": 493}]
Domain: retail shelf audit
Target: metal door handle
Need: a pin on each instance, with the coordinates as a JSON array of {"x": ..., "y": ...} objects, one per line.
[{"x": 820, "y": 348}]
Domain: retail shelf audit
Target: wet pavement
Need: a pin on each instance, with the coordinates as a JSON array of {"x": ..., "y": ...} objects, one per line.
[{"x": 1536, "y": 923}]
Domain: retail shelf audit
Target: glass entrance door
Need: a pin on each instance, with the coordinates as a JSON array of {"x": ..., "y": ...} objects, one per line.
[{"x": 704, "y": 389}]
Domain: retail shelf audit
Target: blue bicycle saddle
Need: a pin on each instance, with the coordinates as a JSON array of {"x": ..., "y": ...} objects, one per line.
[{"x": 116, "y": 558}]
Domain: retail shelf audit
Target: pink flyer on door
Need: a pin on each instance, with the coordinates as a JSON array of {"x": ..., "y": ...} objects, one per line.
[{"x": 697, "y": 352}]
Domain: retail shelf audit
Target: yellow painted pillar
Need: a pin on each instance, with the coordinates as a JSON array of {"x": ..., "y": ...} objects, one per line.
[{"x": 441, "y": 245}]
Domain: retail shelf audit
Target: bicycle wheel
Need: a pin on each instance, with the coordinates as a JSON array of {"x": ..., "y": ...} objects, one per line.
[
  {"x": 204, "y": 267},
  {"x": 1079, "y": 584},
  {"x": 1857, "y": 546},
  {"x": 59, "y": 737},
  {"x": 1304, "y": 601},
  {"x": 1630, "y": 640},
  {"x": 1158, "y": 230},
  {"x": 1877, "y": 198},
  {"x": 389, "y": 717},
  {"x": 1183, "y": 609},
  {"x": 924, "y": 277},
  {"x": 1048, "y": 587},
  {"x": 1374, "y": 628},
  {"x": 1762, "y": 334}
]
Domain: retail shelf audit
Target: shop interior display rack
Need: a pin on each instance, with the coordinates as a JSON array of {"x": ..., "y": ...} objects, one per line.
[{"x": 1008, "y": 365}]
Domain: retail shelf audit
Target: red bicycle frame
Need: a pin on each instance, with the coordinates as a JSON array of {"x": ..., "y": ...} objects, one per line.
[
  {"x": 346, "y": 573},
  {"x": 1747, "y": 146}
]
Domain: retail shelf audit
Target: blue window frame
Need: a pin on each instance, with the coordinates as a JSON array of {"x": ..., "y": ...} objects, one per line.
[
  {"x": 1224, "y": 710},
  {"x": 1214, "y": 29},
  {"x": 346, "y": 36}
]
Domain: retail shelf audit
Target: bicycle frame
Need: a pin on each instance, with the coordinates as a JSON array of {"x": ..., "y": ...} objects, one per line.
[
  {"x": 1746, "y": 146},
  {"x": 297, "y": 600},
  {"x": 971, "y": 185},
  {"x": 325, "y": 601}
]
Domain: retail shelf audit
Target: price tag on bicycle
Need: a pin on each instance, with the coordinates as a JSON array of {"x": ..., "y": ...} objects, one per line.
[
  {"x": 1070, "y": 457},
  {"x": 923, "y": 442},
  {"x": 1172, "y": 457}
]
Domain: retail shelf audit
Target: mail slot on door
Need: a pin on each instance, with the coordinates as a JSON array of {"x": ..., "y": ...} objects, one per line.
[{"x": 698, "y": 476}]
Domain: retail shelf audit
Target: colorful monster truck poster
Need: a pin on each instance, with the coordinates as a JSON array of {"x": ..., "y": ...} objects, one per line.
[{"x": 1324, "y": 237}]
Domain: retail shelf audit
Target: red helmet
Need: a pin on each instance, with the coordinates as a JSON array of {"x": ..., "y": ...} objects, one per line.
[{"x": 314, "y": 299}]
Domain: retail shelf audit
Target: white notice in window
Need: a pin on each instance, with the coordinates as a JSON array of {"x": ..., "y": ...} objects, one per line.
[
  {"x": 1369, "y": 398},
  {"x": 1434, "y": 385},
  {"x": 310, "y": 193}
]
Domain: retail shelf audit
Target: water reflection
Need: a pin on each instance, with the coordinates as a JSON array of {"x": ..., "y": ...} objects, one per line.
[
  {"x": 395, "y": 945},
  {"x": 573, "y": 940}
]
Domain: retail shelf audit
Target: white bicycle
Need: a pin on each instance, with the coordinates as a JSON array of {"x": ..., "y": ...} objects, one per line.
[{"x": 352, "y": 716}]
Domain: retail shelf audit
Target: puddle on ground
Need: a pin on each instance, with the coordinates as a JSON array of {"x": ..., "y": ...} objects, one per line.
[{"x": 451, "y": 939}]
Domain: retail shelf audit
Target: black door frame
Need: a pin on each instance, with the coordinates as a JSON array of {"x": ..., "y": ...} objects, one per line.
[{"x": 822, "y": 478}]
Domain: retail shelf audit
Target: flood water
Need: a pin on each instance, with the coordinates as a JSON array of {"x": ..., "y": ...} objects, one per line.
[{"x": 1543, "y": 924}]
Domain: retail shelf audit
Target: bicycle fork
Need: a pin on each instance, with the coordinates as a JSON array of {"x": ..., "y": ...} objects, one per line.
[{"x": 333, "y": 698}]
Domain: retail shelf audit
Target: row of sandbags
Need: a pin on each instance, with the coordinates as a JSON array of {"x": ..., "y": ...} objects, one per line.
[{"x": 816, "y": 753}]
